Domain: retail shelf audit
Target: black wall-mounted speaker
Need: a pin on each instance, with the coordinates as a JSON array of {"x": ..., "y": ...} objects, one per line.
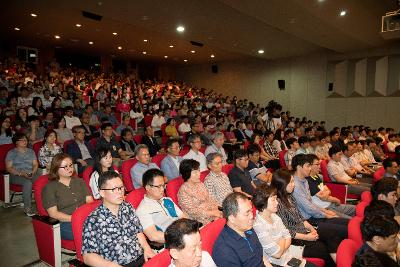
[
  {"x": 214, "y": 68},
  {"x": 330, "y": 87},
  {"x": 281, "y": 84}
]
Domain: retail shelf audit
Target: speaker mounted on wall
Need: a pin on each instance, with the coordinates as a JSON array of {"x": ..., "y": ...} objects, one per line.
[
  {"x": 214, "y": 68},
  {"x": 330, "y": 87},
  {"x": 281, "y": 84}
]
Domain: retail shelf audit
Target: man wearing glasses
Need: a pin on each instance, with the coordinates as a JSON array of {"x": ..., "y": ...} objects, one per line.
[
  {"x": 239, "y": 176},
  {"x": 112, "y": 234},
  {"x": 195, "y": 153},
  {"x": 156, "y": 212}
]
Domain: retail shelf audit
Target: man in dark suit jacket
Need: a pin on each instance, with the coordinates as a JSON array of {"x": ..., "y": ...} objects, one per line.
[
  {"x": 239, "y": 134},
  {"x": 149, "y": 140},
  {"x": 80, "y": 150}
]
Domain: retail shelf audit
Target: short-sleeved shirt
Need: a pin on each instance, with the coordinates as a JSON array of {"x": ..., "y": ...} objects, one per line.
[
  {"x": 256, "y": 169},
  {"x": 21, "y": 161},
  {"x": 315, "y": 185},
  {"x": 218, "y": 186},
  {"x": 241, "y": 178},
  {"x": 114, "y": 239},
  {"x": 337, "y": 169},
  {"x": 40, "y": 131},
  {"x": 66, "y": 198},
  {"x": 232, "y": 249},
  {"x": 160, "y": 214},
  {"x": 137, "y": 172},
  {"x": 113, "y": 145}
]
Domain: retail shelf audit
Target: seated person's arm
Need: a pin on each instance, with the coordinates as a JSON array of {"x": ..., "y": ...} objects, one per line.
[
  {"x": 58, "y": 215},
  {"x": 266, "y": 262},
  {"x": 344, "y": 180},
  {"x": 323, "y": 194},
  {"x": 35, "y": 166},
  {"x": 123, "y": 154},
  {"x": 10, "y": 169},
  {"x": 239, "y": 189},
  {"x": 147, "y": 251},
  {"x": 89, "y": 199},
  {"x": 351, "y": 172},
  {"x": 93, "y": 259},
  {"x": 154, "y": 235}
]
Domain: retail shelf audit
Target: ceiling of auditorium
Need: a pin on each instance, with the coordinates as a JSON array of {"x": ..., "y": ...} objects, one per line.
[{"x": 229, "y": 29}]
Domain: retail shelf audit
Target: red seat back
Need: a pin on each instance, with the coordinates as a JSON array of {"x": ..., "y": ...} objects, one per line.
[
  {"x": 282, "y": 162},
  {"x": 246, "y": 145},
  {"x": 93, "y": 142},
  {"x": 173, "y": 188},
  {"x": 360, "y": 208},
  {"x": 163, "y": 126},
  {"x": 66, "y": 143},
  {"x": 37, "y": 187},
  {"x": 162, "y": 259},
  {"x": 354, "y": 230},
  {"x": 346, "y": 253},
  {"x": 78, "y": 220},
  {"x": 227, "y": 168},
  {"x": 378, "y": 174},
  {"x": 86, "y": 176},
  {"x": 366, "y": 197},
  {"x": 138, "y": 138},
  {"x": 203, "y": 175},
  {"x": 158, "y": 158},
  {"x": 135, "y": 197},
  {"x": 324, "y": 171},
  {"x": 147, "y": 120},
  {"x": 36, "y": 147},
  {"x": 3, "y": 153},
  {"x": 210, "y": 233},
  {"x": 126, "y": 173}
]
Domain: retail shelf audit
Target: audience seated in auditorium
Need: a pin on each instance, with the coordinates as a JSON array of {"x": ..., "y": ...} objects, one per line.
[
  {"x": 256, "y": 168},
  {"x": 107, "y": 115},
  {"x": 63, "y": 133},
  {"x": 49, "y": 149},
  {"x": 391, "y": 168},
  {"x": 170, "y": 129},
  {"x": 125, "y": 124},
  {"x": 216, "y": 147},
  {"x": 318, "y": 243},
  {"x": 70, "y": 119},
  {"x": 386, "y": 189},
  {"x": 184, "y": 244},
  {"x": 197, "y": 129},
  {"x": 144, "y": 163},
  {"x": 156, "y": 212},
  {"x": 127, "y": 142},
  {"x": 122, "y": 240},
  {"x": 217, "y": 182},
  {"x": 238, "y": 244},
  {"x": 102, "y": 164},
  {"x": 151, "y": 142},
  {"x": 239, "y": 132},
  {"x": 81, "y": 151},
  {"x": 6, "y": 131},
  {"x": 170, "y": 164},
  {"x": 108, "y": 140},
  {"x": 34, "y": 132},
  {"x": 22, "y": 165},
  {"x": 194, "y": 153},
  {"x": 293, "y": 146},
  {"x": 239, "y": 176},
  {"x": 90, "y": 130},
  {"x": 157, "y": 121},
  {"x": 304, "y": 143},
  {"x": 321, "y": 195},
  {"x": 64, "y": 193},
  {"x": 337, "y": 172},
  {"x": 380, "y": 234},
  {"x": 335, "y": 139},
  {"x": 184, "y": 126},
  {"x": 193, "y": 196},
  {"x": 272, "y": 153}
]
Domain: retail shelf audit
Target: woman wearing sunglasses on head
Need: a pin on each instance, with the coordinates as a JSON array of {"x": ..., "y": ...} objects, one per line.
[{"x": 64, "y": 193}]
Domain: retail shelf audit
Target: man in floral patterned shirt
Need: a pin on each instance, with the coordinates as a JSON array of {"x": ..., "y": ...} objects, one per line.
[{"x": 112, "y": 234}]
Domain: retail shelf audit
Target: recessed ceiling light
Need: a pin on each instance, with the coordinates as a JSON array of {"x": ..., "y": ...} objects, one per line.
[
  {"x": 114, "y": 33},
  {"x": 90, "y": 42},
  {"x": 144, "y": 52},
  {"x": 180, "y": 29},
  {"x": 165, "y": 56},
  {"x": 192, "y": 51},
  {"x": 17, "y": 29},
  {"x": 185, "y": 60},
  {"x": 321, "y": 1},
  {"x": 261, "y": 51},
  {"x": 57, "y": 36},
  {"x": 119, "y": 47},
  {"x": 343, "y": 13},
  {"x": 33, "y": 15},
  {"x": 212, "y": 56},
  {"x": 145, "y": 40},
  {"x": 78, "y": 25},
  {"x": 171, "y": 46}
]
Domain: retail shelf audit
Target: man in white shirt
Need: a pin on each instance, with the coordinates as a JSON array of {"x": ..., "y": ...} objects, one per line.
[
  {"x": 70, "y": 120},
  {"x": 158, "y": 120},
  {"x": 47, "y": 99},
  {"x": 392, "y": 143},
  {"x": 184, "y": 127},
  {"x": 194, "y": 153}
]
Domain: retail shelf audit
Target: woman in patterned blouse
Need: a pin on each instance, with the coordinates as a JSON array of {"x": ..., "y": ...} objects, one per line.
[
  {"x": 49, "y": 149},
  {"x": 316, "y": 243},
  {"x": 193, "y": 196}
]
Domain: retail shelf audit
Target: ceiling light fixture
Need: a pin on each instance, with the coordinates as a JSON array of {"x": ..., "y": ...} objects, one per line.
[
  {"x": 17, "y": 29},
  {"x": 180, "y": 29},
  {"x": 212, "y": 56},
  {"x": 57, "y": 36},
  {"x": 33, "y": 15},
  {"x": 171, "y": 46},
  {"x": 145, "y": 40},
  {"x": 78, "y": 25},
  {"x": 90, "y": 42},
  {"x": 261, "y": 51},
  {"x": 343, "y": 13},
  {"x": 165, "y": 56},
  {"x": 119, "y": 47},
  {"x": 192, "y": 51},
  {"x": 144, "y": 52},
  {"x": 114, "y": 33},
  {"x": 185, "y": 60}
]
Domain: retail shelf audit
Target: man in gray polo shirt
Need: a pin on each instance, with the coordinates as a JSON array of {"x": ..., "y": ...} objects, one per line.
[{"x": 143, "y": 164}]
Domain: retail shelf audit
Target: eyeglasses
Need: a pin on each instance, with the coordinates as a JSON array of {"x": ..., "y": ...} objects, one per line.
[
  {"x": 245, "y": 159},
  {"x": 115, "y": 189},
  {"x": 161, "y": 186},
  {"x": 70, "y": 166},
  {"x": 22, "y": 140}
]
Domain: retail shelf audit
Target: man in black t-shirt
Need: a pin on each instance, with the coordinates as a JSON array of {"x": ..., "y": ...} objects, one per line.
[{"x": 239, "y": 177}]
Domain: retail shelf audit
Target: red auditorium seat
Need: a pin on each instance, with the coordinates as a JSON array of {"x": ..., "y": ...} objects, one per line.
[
  {"x": 135, "y": 197},
  {"x": 227, "y": 168},
  {"x": 360, "y": 208},
  {"x": 366, "y": 196},
  {"x": 158, "y": 158},
  {"x": 346, "y": 253},
  {"x": 138, "y": 138},
  {"x": 36, "y": 147},
  {"x": 126, "y": 173},
  {"x": 210, "y": 233},
  {"x": 147, "y": 120},
  {"x": 47, "y": 230},
  {"x": 66, "y": 143},
  {"x": 78, "y": 220},
  {"x": 5, "y": 187},
  {"x": 203, "y": 175},
  {"x": 282, "y": 162},
  {"x": 173, "y": 188},
  {"x": 378, "y": 174},
  {"x": 86, "y": 176},
  {"x": 354, "y": 230},
  {"x": 162, "y": 259}
]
